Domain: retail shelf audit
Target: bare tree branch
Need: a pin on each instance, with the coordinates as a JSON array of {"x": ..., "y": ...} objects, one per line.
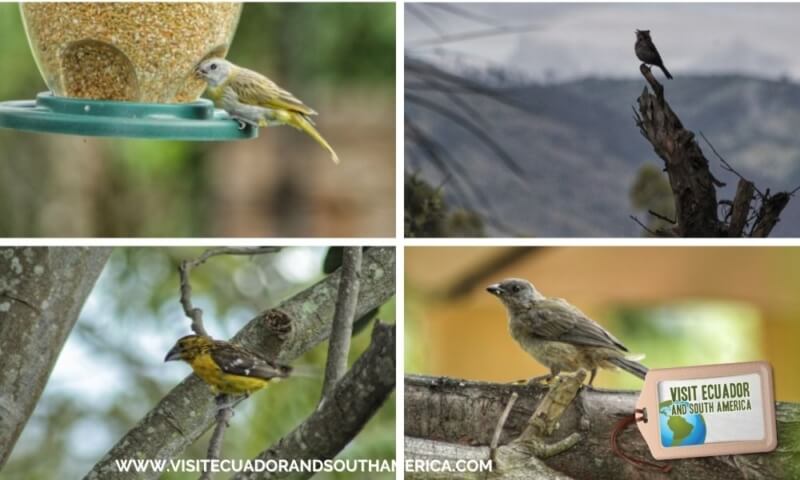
[
  {"x": 459, "y": 84},
  {"x": 692, "y": 183},
  {"x": 225, "y": 409},
  {"x": 469, "y": 125},
  {"x": 224, "y": 415},
  {"x": 500, "y": 424},
  {"x": 454, "y": 419},
  {"x": 458, "y": 11},
  {"x": 416, "y": 11},
  {"x": 342, "y": 328},
  {"x": 740, "y": 209},
  {"x": 42, "y": 291},
  {"x": 284, "y": 332},
  {"x": 472, "y": 35},
  {"x": 528, "y": 451},
  {"x": 689, "y": 174},
  {"x": 186, "y": 267},
  {"x": 356, "y": 397},
  {"x": 422, "y": 78},
  {"x": 727, "y": 166},
  {"x": 462, "y": 179},
  {"x": 661, "y": 217},
  {"x": 769, "y": 213},
  {"x": 655, "y": 233}
]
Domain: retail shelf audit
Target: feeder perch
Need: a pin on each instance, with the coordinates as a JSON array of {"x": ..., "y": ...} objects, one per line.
[{"x": 126, "y": 70}]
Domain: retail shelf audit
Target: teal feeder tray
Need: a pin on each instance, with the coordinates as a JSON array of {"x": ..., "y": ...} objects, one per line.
[
  {"x": 125, "y": 69},
  {"x": 196, "y": 121}
]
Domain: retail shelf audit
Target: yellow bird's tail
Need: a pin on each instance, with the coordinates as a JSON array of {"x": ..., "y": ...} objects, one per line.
[{"x": 300, "y": 122}]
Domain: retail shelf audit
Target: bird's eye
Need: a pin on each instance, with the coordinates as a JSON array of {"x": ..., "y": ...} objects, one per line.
[
  {"x": 213, "y": 66},
  {"x": 515, "y": 288}
]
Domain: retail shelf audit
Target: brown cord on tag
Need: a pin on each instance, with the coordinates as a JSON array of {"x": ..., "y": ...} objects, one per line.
[{"x": 639, "y": 462}]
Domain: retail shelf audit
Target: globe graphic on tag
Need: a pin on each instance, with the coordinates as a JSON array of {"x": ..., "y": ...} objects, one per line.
[{"x": 680, "y": 430}]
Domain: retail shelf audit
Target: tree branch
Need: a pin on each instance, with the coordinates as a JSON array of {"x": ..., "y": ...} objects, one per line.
[
  {"x": 342, "y": 329},
  {"x": 285, "y": 332},
  {"x": 692, "y": 183},
  {"x": 195, "y": 314},
  {"x": 42, "y": 291},
  {"x": 224, "y": 415},
  {"x": 661, "y": 217},
  {"x": 655, "y": 233},
  {"x": 225, "y": 409},
  {"x": 356, "y": 397},
  {"x": 769, "y": 214},
  {"x": 740, "y": 210},
  {"x": 452, "y": 419},
  {"x": 500, "y": 424},
  {"x": 727, "y": 166},
  {"x": 689, "y": 174}
]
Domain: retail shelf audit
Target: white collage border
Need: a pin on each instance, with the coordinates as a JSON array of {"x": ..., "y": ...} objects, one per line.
[{"x": 398, "y": 241}]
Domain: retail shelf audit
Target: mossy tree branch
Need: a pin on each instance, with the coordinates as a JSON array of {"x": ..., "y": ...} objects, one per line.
[
  {"x": 345, "y": 411},
  {"x": 449, "y": 419},
  {"x": 342, "y": 330}
]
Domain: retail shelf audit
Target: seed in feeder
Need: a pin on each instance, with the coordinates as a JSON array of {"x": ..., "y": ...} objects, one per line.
[{"x": 142, "y": 52}]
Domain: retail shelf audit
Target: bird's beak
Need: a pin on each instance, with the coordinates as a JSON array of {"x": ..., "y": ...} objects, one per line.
[
  {"x": 198, "y": 72},
  {"x": 173, "y": 354},
  {"x": 495, "y": 289}
]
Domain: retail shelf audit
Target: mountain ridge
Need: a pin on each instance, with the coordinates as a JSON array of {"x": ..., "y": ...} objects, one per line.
[{"x": 581, "y": 150}]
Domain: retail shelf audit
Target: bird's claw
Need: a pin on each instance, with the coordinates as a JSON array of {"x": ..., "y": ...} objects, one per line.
[
  {"x": 544, "y": 379},
  {"x": 225, "y": 402}
]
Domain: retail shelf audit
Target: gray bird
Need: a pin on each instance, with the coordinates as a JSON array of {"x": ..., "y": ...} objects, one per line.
[
  {"x": 647, "y": 52},
  {"x": 558, "y": 335}
]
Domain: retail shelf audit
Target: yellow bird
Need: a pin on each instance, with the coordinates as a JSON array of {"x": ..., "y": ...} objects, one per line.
[
  {"x": 225, "y": 367},
  {"x": 253, "y": 99}
]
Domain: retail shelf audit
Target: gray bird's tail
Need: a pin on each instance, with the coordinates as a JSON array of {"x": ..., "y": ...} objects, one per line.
[
  {"x": 630, "y": 366},
  {"x": 666, "y": 72}
]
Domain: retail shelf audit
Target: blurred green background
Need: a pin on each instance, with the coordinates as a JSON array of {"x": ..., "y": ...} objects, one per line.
[
  {"x": 111, "y": 370},
  {"x": 679, "y": 306},
  {"x": 339, "y": 58}
]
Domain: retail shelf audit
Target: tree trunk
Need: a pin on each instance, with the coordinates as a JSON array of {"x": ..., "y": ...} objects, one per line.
[
  {"x": 693, "y": 185},
  {"x": 454, "y": 419},
  {"x": 689, "y": 175},
  {"x": 42, "y": 291}
]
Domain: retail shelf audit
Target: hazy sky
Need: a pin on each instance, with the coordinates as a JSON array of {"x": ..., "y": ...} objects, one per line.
[{"x": 577, "y": 40}]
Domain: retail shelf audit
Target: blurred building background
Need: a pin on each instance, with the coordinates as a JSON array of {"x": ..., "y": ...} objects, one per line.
[
  {"x": 111, "y": 371},
  {"x": 338, "y": 58},
  {"x": 679, "y": 306}
]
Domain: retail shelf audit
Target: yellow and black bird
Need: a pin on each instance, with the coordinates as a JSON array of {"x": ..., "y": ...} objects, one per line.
[{"x": 227, "y": 368}]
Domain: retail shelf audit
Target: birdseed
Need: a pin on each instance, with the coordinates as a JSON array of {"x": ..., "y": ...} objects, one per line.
[{"x": 143, "y": 52}]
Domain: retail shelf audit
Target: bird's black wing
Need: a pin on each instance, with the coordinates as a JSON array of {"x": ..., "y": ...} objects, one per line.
[
  {"x": 236, "y": 360},
  {"x": 555, "y": 319}
]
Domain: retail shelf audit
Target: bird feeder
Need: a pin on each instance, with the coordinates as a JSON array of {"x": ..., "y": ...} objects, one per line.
[{"x": 126, "y": 69}]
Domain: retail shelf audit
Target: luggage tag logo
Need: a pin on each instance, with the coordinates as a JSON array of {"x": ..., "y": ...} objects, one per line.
[{"x": 701, "y": 411}]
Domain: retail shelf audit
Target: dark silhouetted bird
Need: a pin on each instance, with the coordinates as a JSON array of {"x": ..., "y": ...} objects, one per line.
[{"x": 647, "y": 52}]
